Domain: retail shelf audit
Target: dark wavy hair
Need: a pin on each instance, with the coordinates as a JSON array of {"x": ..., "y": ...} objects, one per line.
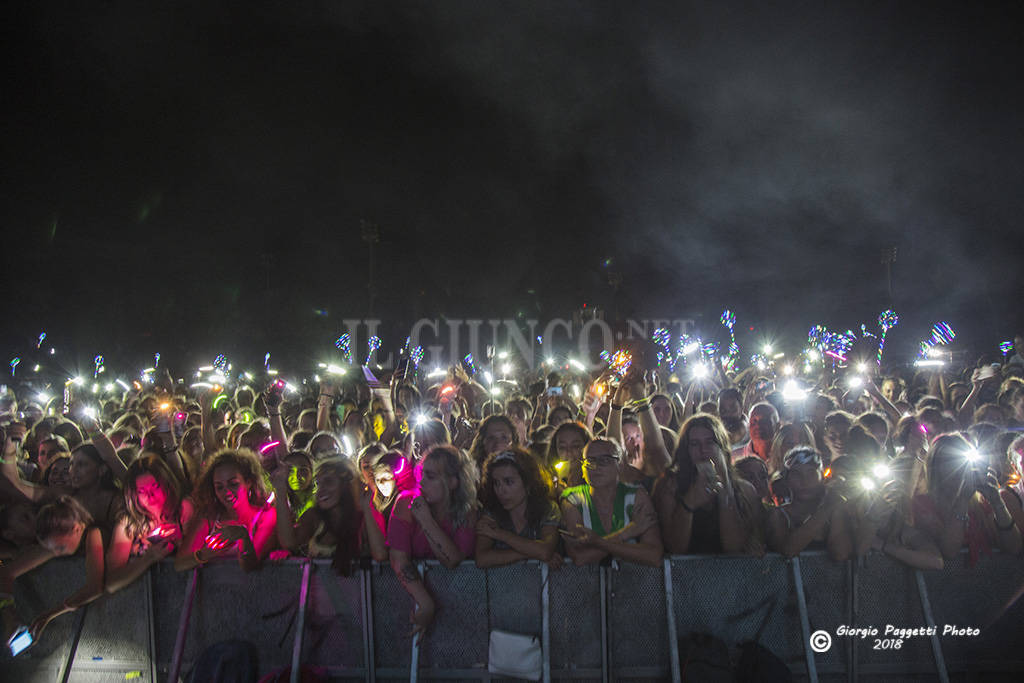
[
  {"x": 538, "y": 491},
  {"x": 138, "y": 521},
  {"x": 248, "y": 466},
  {"x": 346, "y": 550}
]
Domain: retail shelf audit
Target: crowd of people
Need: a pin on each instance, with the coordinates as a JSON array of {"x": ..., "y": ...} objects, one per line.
[{"x": 917, "y": 463}]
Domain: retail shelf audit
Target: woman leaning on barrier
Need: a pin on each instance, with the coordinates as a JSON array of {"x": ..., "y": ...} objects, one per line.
[
  {"x": 703, "y": 505},
  {"x": 605, "y": 516},
  {"x": 519, "y": 520},
  {"x": 815, "y": 516},
  {"x": 435, "y": 522},
  {"x": 153, "y": 524},
  {"x": 63, "y": 528},
  {"x": 234, "y": 514},
  {"x": 963, "y": 505}
]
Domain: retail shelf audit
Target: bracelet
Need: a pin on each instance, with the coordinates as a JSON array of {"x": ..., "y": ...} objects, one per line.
[
  {"x": 616, "y": 406},
  {"x": 1007, "y": 527},
  {"x": 198, "y": 559}
]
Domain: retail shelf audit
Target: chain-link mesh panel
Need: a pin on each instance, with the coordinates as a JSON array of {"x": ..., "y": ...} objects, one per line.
[
  {"x": 391, "y": 607},
  {"x": 887, "y": 595},
  {"x": 169, "y": 592},
  {"x": 515, "y": 602},
  {"x": 738, "y": 599},
  {"x": 575, "y": 618},
  {"x": 458, "y": 638},
  {"x": 115, "y": 635},
  {"x": 260, "y": 608},
  {"x": 333, "y": 636},
  {"x": 980, "y": 597},
  {"x": 637, "y": 622},
  {"x": 827, "y": 592},
  {"x": 35, "y": 592}
]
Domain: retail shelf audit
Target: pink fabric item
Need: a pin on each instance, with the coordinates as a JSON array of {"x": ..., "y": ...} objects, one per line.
[{"x": 408, "y": 537}]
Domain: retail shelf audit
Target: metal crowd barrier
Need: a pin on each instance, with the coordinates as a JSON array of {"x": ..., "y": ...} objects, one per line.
[{"x": 617, "y": 622}]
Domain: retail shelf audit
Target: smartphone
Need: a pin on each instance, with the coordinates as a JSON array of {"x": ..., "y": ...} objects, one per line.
[
  {"x": 20, "y": 641},
  {"x": 179, "y": 424},
  {"x": 554, "y": 391}
]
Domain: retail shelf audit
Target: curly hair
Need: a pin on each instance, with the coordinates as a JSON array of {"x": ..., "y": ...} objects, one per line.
[
  {"x": 247, "y": 464},
  {"x": 459, "y": 466},
  {"x": 476, "y": 450},
  {"x": 538, "y": 490},
  {"x": 138, "y": 521}
]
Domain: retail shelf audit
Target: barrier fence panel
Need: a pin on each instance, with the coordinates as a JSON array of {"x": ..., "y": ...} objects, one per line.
[
  {"x": 334, "y": 623},
  {"x": 979, "y": 597},
  {"x": 115, "y": 638},
  {"x": 35, "y": 592},
  {"x": 575, "y": 619},
  {"x": 258, "y": 607},
  {"x": 739, "y": 599},
  {"x": 735, "y": 599},
  {"x": 829, "y": 604},
  {"x": 887, "y": 595},
  {"x": 637, "y": 622}
]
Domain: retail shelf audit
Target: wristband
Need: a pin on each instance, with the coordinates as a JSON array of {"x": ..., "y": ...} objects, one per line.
[
  {"x": 199, "y": 560},
  {"x": 616, "y": 406},
  {"x": 1007, "y": 527}
]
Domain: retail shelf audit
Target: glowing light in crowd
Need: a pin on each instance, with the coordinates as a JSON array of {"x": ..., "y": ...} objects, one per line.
[
  {"x": 488, "y": 376},
  {"x": 42, "y": 337},
  {"x": 122, "y": 384},
  {"x": 420, "y": 420},
  {"x": 867, "y": 483},
  {"x": 373, "y": 343},
  {"x": 156, "y": 359},
  {"x": 267, "y": 446},
  {"x": 266, "y": 362},
  {"x": 792, "y": 391},
  {"x": 886, "y": 320},
  {"x": 1006, "y": 347},
  {"x": 220, "y": 399},
  {"x": 470, "y": 363},
  {"x": 662, "y": 338},
  {"x": 436, "y": 372},
  {"x": 89, "y": 412},
  {"x": 14, "y": 364},
  {"x": 502, "y": 355},
  {"x": 942, "y": 335},
  {"x": 728, "y": 319},
  {"x": 620, "y": 362},
  {"x": 856, "y": 382},
  {"x": 333, "y": 369},
  {"x": 35, "y": 368},
  {"x": 929, "y": 363},
  {"x": 42, "y": 398},
  {"x": 578, "y": 365},
  {"x": 881, "y": 471},
  {"x": 348, "y": 444},
  {"x": 417, "y": 356},
  {"x": 700, "y": 371}
]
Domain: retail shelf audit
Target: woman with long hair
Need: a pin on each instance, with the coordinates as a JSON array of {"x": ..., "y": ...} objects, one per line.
[
  {"x": 153, "y": 524},
  {"x": 702, "y": 504},
  {"x": 437, "y": 521},
  {"x": 519, "y": 520}
]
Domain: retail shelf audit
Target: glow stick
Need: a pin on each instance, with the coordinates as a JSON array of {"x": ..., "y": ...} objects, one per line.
[
  {"x": 14, "y": 364},
  {"x": 344, "y": 344},
  {"x": 620, "y": 362},
  {"x": 156, "y": 359},
  {"x": 729, "y": 320},
  {"x": 98, "y": 361},
  {"x": 266, "y": 361},
  {"x": 373, "y": 343},
  {"x": 468, "y": 360},
  {"x": 42, "y": 336},
  {"x": 886, "y": 320}
]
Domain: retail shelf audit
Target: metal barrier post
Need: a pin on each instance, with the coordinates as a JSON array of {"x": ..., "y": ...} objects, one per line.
[
  {"x": 186, "y": 614},
  {"x": 926, "y": 607},
  {"x": 673, "y": 639},
  {"x": 414, "y": 665},
  {"x": 603, "y": 572},
  {"x": 152, "y": 624},
  {"x": 367, "y": 598},
  {"x": 545, "y": 624},
  {"x": 300, "y": 627},
  {"x": 65, "y": 671},
  {"x": 805, "y": 624}
]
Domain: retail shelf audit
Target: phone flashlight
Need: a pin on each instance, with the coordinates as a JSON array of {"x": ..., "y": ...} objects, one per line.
[{"x": 20, "y": 641}]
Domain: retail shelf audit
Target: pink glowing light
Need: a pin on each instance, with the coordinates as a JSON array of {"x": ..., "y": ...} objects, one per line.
[{"x": 267, "y": 446}]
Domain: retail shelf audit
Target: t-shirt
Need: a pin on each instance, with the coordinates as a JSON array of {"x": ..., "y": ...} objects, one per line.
[
  {"x": 408, "y": 536},
  {"x": 622, "y": 509}
]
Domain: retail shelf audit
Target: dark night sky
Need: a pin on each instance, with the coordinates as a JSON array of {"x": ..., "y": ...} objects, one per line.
[{"x": 192, "y": 175}]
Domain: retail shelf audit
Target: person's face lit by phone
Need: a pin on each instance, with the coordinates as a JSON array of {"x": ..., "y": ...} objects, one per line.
[
  {"x": 230, "y": 487},
  {"x": 150, "y": 495},
  {"x": 632, "y": 438},
  {"x": 569, "y": 443}
]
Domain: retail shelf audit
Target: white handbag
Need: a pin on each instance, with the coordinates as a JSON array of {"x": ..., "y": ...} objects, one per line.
[{"x": 514, "y": 654}]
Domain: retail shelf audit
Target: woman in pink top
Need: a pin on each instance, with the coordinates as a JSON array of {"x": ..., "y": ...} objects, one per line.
[{"x": 437, "y": 521}]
